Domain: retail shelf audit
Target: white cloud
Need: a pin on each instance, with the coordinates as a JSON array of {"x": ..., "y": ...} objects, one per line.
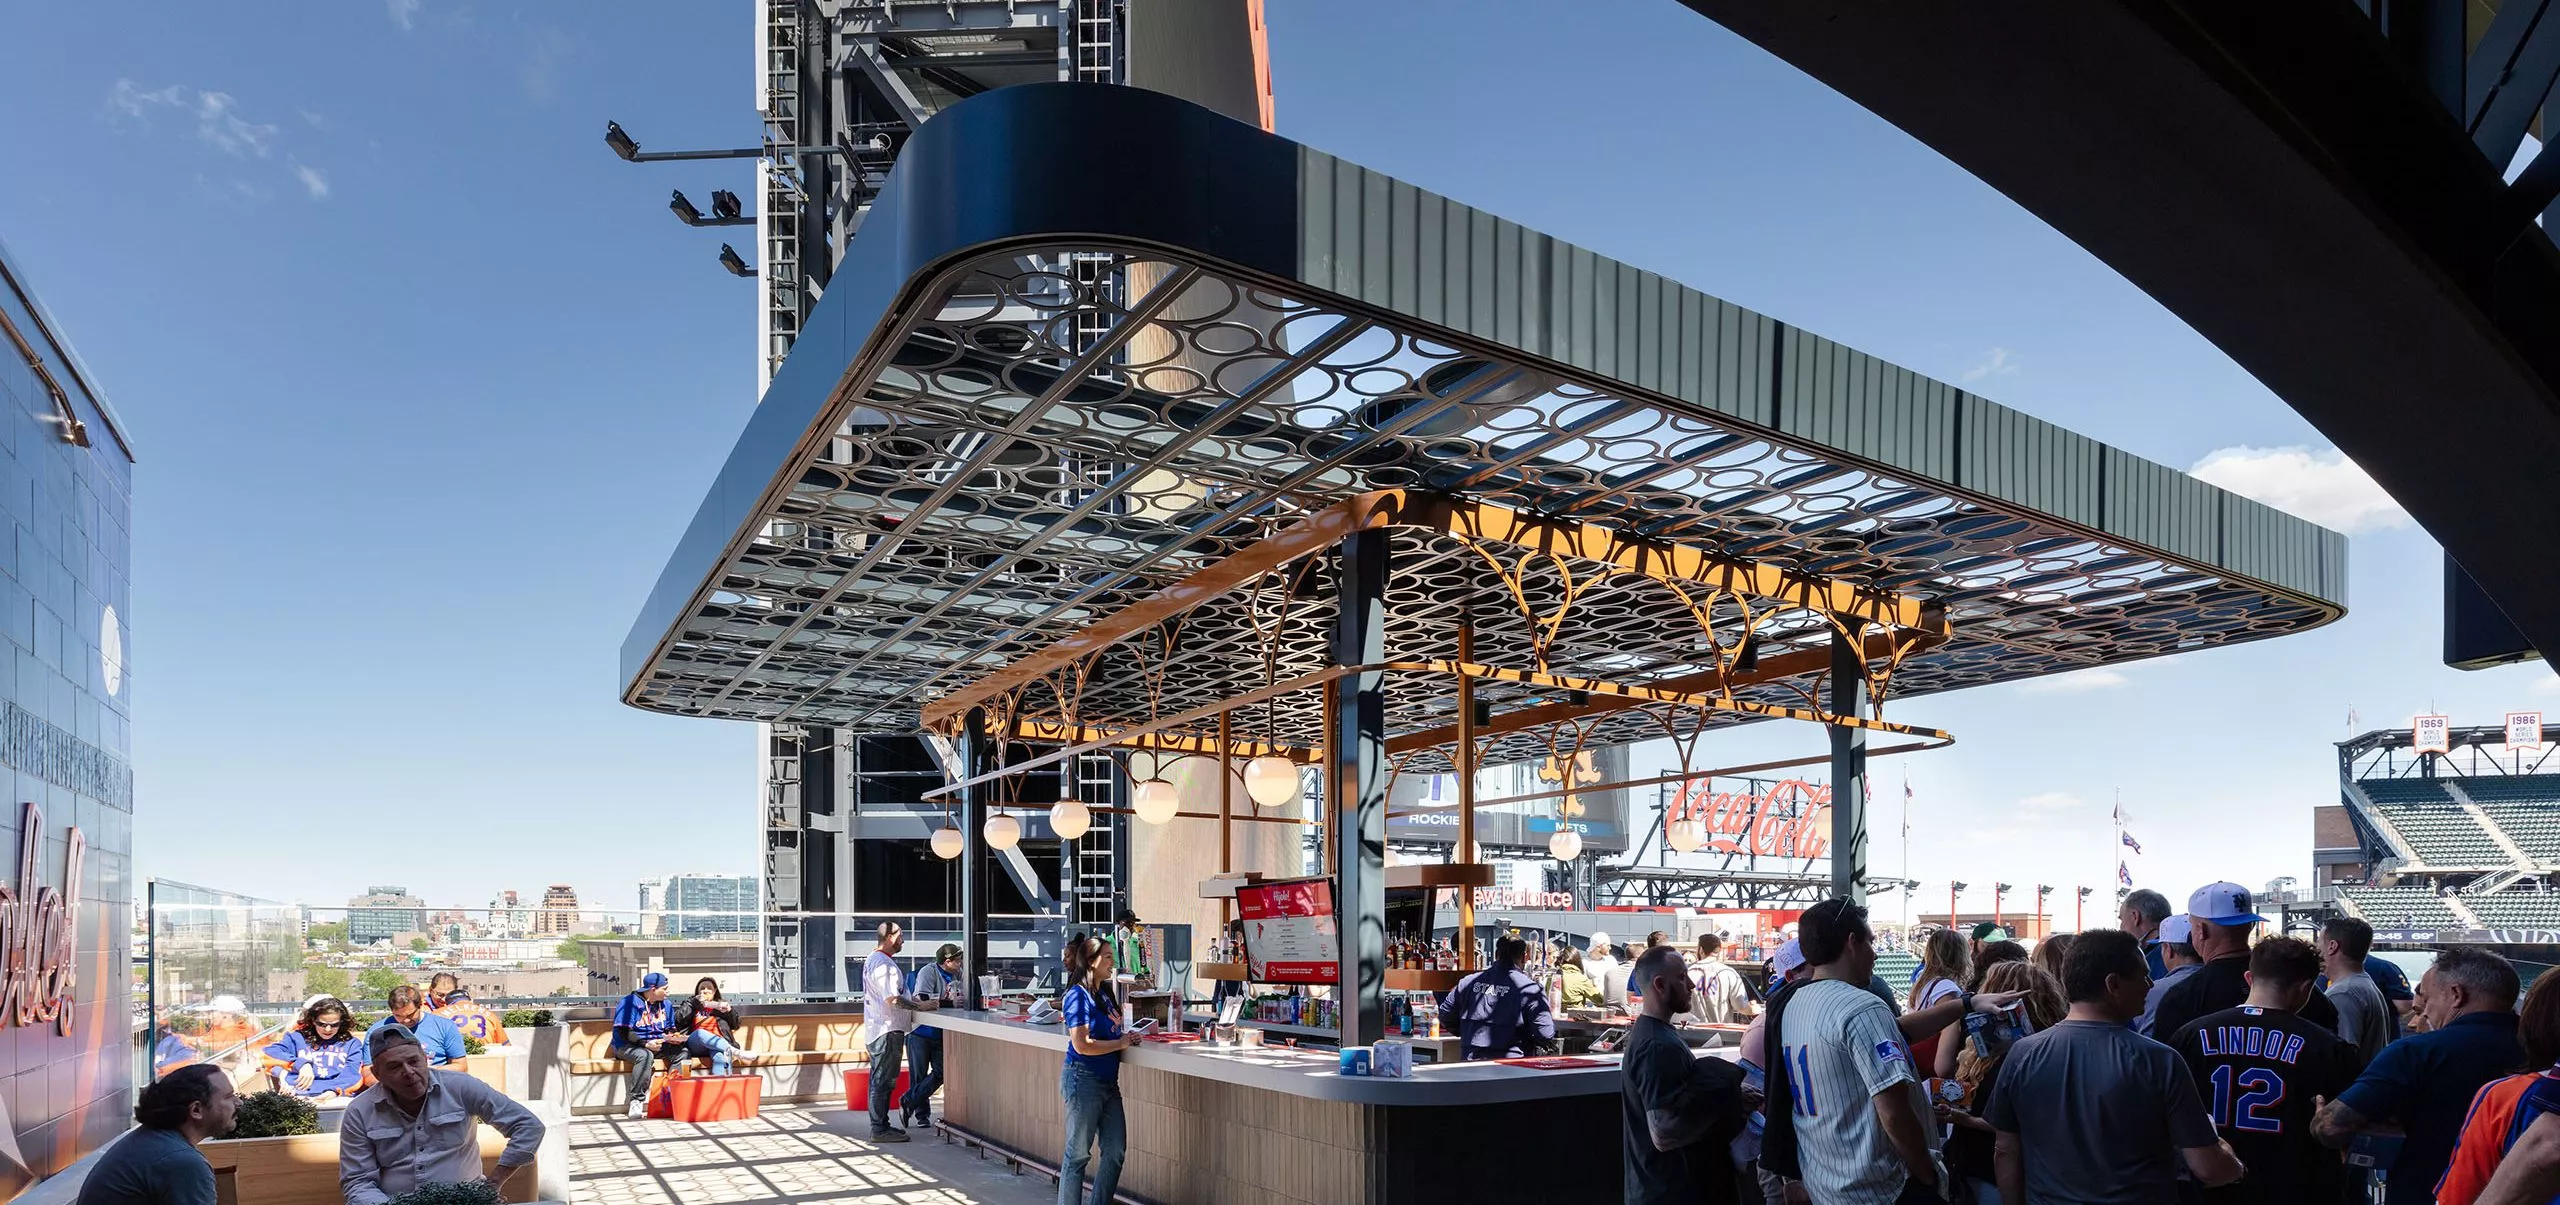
[
  {"x": 2549, "y": 684},
  {"x": 404, "y": 13},
  {"x": 2075, "y": 682},
  {"x": 2321, "y": 485},
  {"x": 2050, "y": 801},
  {"x": 1997, "y": 362},
  {"x": 219, "y": 126}
]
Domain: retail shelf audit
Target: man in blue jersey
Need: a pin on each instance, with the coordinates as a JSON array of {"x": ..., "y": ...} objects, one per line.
[
  {"x": 409, "y": 1009},
  {"x": 1500, "y": 1012}
]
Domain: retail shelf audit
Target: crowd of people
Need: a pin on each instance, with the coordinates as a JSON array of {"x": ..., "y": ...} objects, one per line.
[{"x": 2178, "y": 1058}]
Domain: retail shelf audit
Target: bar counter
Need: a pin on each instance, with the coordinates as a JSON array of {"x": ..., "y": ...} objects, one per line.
[{"x": 1210, "y": 1125}]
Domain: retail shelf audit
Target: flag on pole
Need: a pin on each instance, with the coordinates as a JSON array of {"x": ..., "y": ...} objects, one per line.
[
  {"x": 2124, "y": 876},
  {"x": 2127, "y": 838}
]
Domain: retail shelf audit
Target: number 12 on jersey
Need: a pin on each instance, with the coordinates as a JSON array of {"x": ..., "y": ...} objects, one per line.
[{"x": 2258, "y": 1088}]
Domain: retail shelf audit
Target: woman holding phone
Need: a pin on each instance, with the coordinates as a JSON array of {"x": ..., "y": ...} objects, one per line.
[{"x": 1090, "y": 1081}]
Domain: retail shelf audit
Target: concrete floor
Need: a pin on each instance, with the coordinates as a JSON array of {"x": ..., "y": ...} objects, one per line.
[{"x": 785, "y": 1157}]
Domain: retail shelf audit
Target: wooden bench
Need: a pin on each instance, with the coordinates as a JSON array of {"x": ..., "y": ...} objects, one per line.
[
  {"x": 802, "y": 1059},
  {"x": 303, "y": 1170}
]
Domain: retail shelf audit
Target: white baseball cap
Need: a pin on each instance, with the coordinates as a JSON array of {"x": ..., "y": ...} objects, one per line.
[
  {"x": 2223, "y": 904},
  {"x": 228, "y": 1004},
  {"x": 1789, "y": 957},
  {"x": 2175, "y": 930}
]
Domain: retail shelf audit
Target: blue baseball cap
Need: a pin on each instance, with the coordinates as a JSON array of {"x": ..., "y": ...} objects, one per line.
[
  {"x": 652, "y": 979},
  {"x": 2224, "y": 904}
]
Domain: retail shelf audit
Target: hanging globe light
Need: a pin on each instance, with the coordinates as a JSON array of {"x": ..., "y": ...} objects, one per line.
[
  {"x": 1271, "y": 781},
  {"x": 1566, "y": 845},
  {"x": 1686, "y": 835},
  {"x": 1154, "y": 800},
  {"x": 947, "y": 842},
  {"x": 1070, "y": 818},
  {"x": 1003, "y": 831}
]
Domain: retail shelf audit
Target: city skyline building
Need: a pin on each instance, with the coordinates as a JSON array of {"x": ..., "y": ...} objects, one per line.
[
  {"x": 705, "y": 905},
  {"x": 382, "y": 913},
  {"x": 559, "y": 912}
]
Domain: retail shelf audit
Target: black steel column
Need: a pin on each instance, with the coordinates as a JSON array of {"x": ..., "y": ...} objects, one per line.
[
  {"x": 1356, "y": 784},
  {"x": 976, "y": 863},
  {"x": 1848, "y": 765}
]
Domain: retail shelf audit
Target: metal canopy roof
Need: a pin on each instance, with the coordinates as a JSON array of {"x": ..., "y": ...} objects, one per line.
[{"x": 969, "y": 456}]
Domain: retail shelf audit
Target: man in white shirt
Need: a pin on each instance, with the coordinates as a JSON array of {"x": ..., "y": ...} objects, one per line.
[
  {"x": 1721, "y": 998},
  {"x": 1848, "y": 1115},
  {"x": 888, "y": 1012}
]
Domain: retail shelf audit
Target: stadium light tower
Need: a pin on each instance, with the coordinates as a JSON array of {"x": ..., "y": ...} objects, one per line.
[
  {"x": 726, "y": 210},
  {"x": 2041, "y": 892},
  {"x": 1998, "y": 890},
  {"x": 2079, "y": 909},
  {"x": 1952, "y": 889}
]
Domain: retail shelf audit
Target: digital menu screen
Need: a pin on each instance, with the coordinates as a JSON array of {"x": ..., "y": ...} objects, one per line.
[{"x": 1289, "y": 934}]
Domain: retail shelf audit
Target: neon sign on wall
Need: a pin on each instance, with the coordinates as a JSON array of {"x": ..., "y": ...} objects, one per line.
[{"x": 39, "y": 933}]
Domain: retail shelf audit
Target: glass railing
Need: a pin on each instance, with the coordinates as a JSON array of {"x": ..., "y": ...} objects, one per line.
[{"x": 220, "y": 974}]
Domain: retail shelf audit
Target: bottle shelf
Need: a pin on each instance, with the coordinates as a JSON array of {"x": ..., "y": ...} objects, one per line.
[{"x": 1424, "y": 981}]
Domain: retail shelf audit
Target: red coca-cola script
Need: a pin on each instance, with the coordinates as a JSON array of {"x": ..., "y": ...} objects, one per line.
[
  {"x": 1792, "y": 819},
  {"x": 39, "y": 933}
]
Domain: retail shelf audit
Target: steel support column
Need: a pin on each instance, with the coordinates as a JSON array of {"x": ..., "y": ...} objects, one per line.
[
  {"x": 1356, "y": 784},
  {"x": 1848, "y": 767},
  {"x": 977, "y": 862}
]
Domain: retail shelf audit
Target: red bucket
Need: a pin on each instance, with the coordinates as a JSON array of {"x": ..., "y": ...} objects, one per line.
[
  {"x": 857, "y": 1089},
  {"x": 715, "y": 1097}
]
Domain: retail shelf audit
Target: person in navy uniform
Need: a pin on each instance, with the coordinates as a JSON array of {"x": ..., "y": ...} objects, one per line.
[{"x": 1498, "y": 1012}]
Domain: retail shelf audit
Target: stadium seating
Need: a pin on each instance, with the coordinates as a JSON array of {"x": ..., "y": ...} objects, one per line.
[
  {"x": 1896, "y": 967},
  {"x": 2402, "y": 907},
  {"x": 2517, "y": 909},
  {"x": 2436, "y": 827}
]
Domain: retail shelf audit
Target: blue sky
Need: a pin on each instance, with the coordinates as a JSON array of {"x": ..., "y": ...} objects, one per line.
[{"x": 425, "y": 383}]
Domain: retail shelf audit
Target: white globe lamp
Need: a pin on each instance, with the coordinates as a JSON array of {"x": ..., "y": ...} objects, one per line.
[
  {"x": 1271, "y": 781},
  {"x": 1070, "y": 818},
  {"x": 1155, "y": 801},
  {"x": 1686, "y": 835},
  {"x": 1003, "y": 831},
  {"x": 1566, "y": 845},
  {"x": 947, "y": 842}
]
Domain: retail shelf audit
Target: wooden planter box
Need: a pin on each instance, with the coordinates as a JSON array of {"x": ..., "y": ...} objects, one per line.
[{"x": 303, "y": 1169}]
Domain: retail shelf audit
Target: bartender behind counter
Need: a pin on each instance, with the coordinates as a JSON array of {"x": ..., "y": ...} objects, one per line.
[{"x": 1499, "y": 1012}]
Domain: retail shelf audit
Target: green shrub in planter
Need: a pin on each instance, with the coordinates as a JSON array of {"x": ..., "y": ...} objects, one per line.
[
  {"x": 524, "y": 1018},
  {"x": 472, "y": 1045},
  {"x": 274, "y": 1115},
  {"x": 477, "y": 1192}
]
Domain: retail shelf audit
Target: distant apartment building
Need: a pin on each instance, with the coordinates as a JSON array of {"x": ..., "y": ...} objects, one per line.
[
  {"x": 509, "y": 915},
  {"x": 653, "y": 896},
  {"x": 729, "y": 899},
  {"x": 383, "y": 913},
  {"x": 559, "y": 912}
]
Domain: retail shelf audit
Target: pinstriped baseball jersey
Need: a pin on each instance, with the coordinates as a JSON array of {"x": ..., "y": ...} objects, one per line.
[{"x": 1842, "y": 1048}]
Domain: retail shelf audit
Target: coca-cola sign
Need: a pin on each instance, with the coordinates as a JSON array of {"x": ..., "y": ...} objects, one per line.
[
  {"x": 1791, "y": 819},
  {"x": 39, "y": 932}
]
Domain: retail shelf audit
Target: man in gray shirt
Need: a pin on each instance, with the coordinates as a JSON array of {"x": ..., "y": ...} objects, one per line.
[
  {"x": 415, "y": 1126},
  {"x": 2091, "y": 1112},
  {"x": 2364, "y": 1014},
  {"x": 157, "y": 1163}
]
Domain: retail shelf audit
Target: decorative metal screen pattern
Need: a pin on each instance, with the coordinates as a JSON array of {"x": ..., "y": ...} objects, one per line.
[{"x": 991, "y": 489}]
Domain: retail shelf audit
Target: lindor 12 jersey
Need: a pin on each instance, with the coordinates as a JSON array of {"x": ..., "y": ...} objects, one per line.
[{"x": 2259, "y": 1071}]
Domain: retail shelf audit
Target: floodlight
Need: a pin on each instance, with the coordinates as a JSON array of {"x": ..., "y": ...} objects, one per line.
[
  {"x": 684, "y": 210},
  {"x": 620, "y": 142},
  {"x": 725, "y": 205},
  {"x": 736, "y": 266}
]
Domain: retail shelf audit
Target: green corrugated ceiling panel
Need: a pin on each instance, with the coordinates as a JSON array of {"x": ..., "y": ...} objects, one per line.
[
  {"x": 2159, "y": 506},
  {"x": 1861, "y": 405},
  {"x": 2273, "y": 546},
  {"x": 1389, "y": 244},
  {"x": 2006, "y": 454}
]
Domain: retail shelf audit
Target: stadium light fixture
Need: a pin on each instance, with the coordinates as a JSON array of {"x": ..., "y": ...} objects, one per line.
[
  {"x": 729, "y": 259},
  {"x": 629, "y": 150},
  {"x": 682, "y": 206}
]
